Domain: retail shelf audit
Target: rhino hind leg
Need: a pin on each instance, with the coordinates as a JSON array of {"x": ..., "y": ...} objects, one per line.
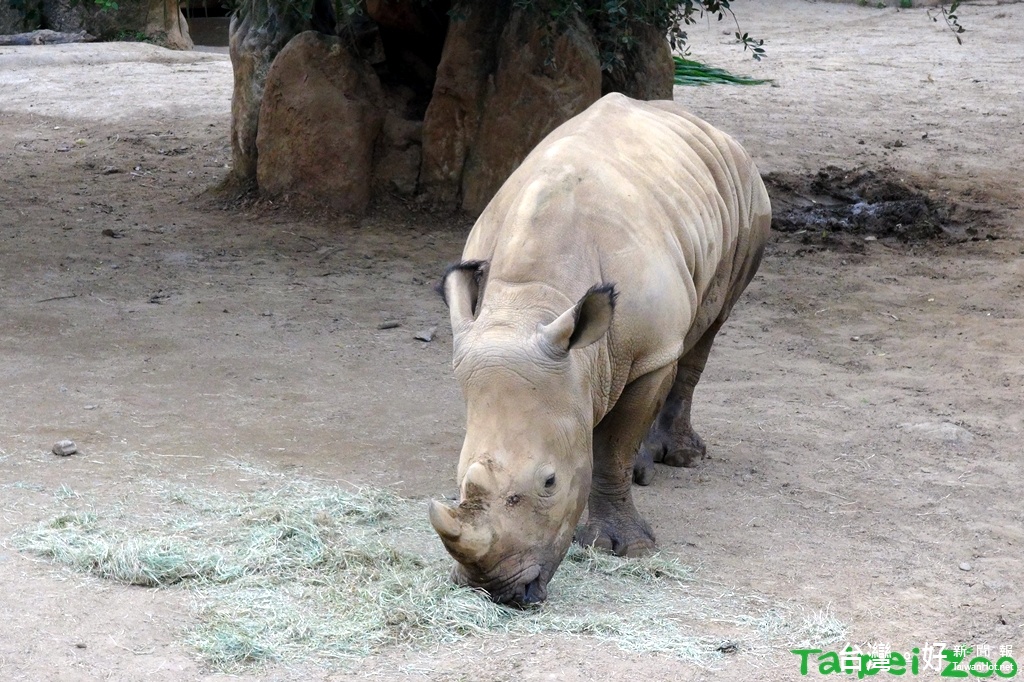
[
  {"x": 613, "y": 523},
  {"x": 671, "y": 439}
]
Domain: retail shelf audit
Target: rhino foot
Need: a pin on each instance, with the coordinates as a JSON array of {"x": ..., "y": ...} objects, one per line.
[
  {"x": 687, "y": 450},
  {"x": 628, "y": 538}
]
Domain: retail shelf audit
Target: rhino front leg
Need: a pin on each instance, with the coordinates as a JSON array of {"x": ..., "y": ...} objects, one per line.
[
  {"x": 613, "y": 522},
  {"x": 672, "y": 440}
]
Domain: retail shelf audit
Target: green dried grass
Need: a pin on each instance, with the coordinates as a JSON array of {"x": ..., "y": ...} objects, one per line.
[
  {"x": 690, "y": 72},
  {"x": 309, "y": 572}
]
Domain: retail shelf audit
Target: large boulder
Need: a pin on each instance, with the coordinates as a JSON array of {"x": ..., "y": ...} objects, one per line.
[
  {"x": 452, "y": 119},
  {"x": 540, "y": 82},
  {"x": 258, "y": 31},
  {"x": 647, "y": 71},
  {"x": 442, "y": 103},
  {"x": 505, "y": 81},
  {"x": 254, "y": 39},
  {"x": 320, "y": 117}
]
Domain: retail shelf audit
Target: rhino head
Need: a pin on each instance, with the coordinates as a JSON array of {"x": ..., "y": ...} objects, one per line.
[{"x": 526, "y": 463}]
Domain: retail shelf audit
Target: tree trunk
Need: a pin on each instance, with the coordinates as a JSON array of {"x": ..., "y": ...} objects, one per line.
[{"x": 166, "y": 25}]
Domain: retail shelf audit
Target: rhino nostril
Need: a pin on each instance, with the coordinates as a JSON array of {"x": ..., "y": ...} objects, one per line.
[{"x": 534, "y": 593}]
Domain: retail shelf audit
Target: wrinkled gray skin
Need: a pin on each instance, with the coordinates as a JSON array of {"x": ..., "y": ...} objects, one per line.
[{"x": 591, "y": 290}]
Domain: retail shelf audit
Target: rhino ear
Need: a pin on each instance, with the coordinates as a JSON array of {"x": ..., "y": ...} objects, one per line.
[
  {"x": 584, "y": 323},
  {"x": 461, "y": 287}
]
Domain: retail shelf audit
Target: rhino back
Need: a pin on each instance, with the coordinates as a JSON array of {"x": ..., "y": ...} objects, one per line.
[{"x": 642, "y": 195}]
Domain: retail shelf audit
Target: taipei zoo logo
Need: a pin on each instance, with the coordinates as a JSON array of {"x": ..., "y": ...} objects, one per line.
[{"x": 958, "y": 661}]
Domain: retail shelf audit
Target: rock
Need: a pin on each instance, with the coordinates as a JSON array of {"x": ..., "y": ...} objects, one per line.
[
  {"x": 426, "y": 335},
  {"x": 14, "y": 19},
  {"x": 527, "y": 98},
  {"x": 965, "y": 566},
  {"x": 498, "y": 93},
  {"x": 318, "y": 122},
  {"x": 398, "y": 170},
  {"x": 63, "y": 448},
  {"x": 389, "y": 324},
  {"x": 647, "y": 71},
  {"x": 453, "y": 116},
  {"x": 103, "y": 22},
  {"x": 945, "y": 432},
  {"x": 396, "y": 163},
  {"x": 399, "y": 132},
  {"x": 253, "y": 44}
]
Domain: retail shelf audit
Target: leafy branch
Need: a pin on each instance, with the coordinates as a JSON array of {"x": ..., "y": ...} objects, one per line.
[{"x": 952, "y": 21}]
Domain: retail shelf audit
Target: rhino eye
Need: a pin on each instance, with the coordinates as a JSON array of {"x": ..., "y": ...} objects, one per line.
[{"x": 549, "y": 482}]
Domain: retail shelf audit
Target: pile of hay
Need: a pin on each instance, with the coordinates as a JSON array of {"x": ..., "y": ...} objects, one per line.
[{"x": 316, "y": 573}]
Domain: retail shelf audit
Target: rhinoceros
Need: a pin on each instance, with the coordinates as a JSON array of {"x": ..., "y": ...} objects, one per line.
[{"x": 583, "y": 311}]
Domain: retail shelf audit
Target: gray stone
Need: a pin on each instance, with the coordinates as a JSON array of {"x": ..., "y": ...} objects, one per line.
[{"x": 63, "y": 448}]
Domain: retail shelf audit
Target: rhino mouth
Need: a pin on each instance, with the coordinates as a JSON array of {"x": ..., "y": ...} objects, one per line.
[{"x": 527, "y": 587}]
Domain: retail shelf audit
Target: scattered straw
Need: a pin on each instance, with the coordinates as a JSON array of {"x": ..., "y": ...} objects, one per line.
[{"x": 308, "y": 572}]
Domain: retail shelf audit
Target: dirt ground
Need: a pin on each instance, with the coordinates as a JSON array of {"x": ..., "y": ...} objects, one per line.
[{"x": 862, "y": 407}]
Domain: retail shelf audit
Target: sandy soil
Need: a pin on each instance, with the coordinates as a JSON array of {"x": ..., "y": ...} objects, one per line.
[{"x": 862, "y": 408}]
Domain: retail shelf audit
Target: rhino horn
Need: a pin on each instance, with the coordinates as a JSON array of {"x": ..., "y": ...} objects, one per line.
[{"x": 444, "y": 521}]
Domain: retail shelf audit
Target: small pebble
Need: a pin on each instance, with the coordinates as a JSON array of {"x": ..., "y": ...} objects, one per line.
[
  {"x": 389, "y": 324},
  {"x": 425, "y": 334},
  {"x": 80, "y": 645},
  {"x": 90, "y": 407},
  {"x": 854, "y": 338},
  {"x": 65, "y": 447},
  {"x": 965, "y": 566}
]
